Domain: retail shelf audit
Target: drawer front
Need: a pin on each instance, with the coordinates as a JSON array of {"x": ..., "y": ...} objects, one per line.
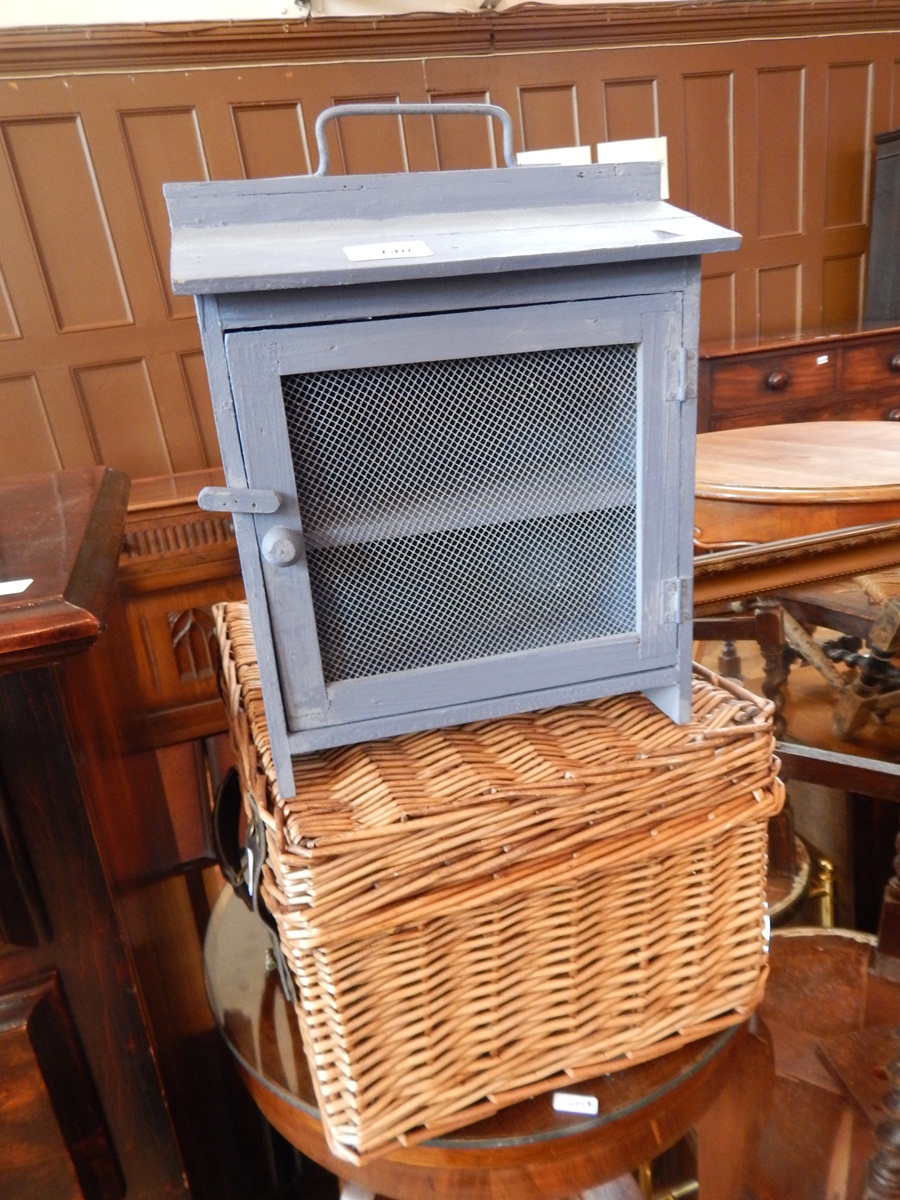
[
  {"x": 872, "y": 366},
  {"x": 778, "y": 380}
]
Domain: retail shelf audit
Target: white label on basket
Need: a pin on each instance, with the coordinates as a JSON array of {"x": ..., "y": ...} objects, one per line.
[
  {"x": 568, "y": 1102},
  {"x": 379, "y": 250},
  {"x": 12, "y": 587}
]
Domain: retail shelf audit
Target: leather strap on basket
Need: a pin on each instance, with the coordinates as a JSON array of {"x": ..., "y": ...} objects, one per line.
[{"x": 242, "y": 864}]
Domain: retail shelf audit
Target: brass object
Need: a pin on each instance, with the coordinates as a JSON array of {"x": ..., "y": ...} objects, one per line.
[{"x": 822, "y": 889}]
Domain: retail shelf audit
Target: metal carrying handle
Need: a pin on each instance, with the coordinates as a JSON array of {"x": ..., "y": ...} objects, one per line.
[{"x": 393, "y": 110}]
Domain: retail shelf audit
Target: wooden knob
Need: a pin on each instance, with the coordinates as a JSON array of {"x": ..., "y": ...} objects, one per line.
[
  {"x": 894, "y": 363},
  {"x": 777, "y": 381},
  {"x": 893, "y": 415}
]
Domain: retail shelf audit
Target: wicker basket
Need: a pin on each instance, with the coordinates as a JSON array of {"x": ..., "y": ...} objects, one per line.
[{"x": 476, "y": 914}]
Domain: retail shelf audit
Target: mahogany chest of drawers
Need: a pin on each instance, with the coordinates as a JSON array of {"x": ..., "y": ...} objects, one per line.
[{"x": 836, "y": 376}]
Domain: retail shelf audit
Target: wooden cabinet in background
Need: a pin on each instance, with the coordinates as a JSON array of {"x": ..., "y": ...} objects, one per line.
[
  {"x": 114, "y": 1081},
  {"x": 83, "y": 1114},
  {"x": 831, "y": 376},
  {"x": 176, "y": 562}
]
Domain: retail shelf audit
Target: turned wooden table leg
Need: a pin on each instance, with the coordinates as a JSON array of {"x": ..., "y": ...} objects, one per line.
[{"x": 883, "y": 1174}]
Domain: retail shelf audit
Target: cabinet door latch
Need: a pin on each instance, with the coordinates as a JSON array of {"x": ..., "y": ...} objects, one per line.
[{"x": 242, "y": 500}]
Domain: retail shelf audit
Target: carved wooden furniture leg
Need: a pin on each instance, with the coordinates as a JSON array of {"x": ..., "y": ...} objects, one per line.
[
  {"x": 759, "y": 621},
  {"x": 883, "y": 1174},
  {"x": 888, "y": 951}
]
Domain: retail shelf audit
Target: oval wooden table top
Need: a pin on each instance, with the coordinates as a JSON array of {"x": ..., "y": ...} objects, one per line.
[
  {"x": 775, "y": 482},
  {"x": 525, "y": 1152}
]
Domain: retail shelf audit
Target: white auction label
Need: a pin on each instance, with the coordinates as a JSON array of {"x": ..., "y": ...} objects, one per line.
[
  {"x": 12, "y": 587},
  {"x": 376, "y": 251},
  {"x": 569, "y": 1102}
]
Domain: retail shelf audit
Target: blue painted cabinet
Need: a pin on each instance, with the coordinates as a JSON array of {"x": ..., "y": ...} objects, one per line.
[{"x": 457, "y": 416}]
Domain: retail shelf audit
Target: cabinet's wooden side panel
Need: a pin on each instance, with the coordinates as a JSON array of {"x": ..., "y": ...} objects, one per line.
[{"x": 54, "y": 1140}]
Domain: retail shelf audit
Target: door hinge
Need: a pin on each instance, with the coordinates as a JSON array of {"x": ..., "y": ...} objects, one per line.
[
  {"x": 676, "y": 600},
  {"x": 681, "y": 383},
  {"x": 242, "y": 500}
]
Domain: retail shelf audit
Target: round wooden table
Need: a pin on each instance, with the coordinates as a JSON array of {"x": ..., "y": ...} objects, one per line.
[
  {"x": 774, "y": 482},
  {"x": 717, "y": 1086}
]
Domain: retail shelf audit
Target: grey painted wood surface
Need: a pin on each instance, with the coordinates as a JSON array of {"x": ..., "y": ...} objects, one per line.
[
  {"x": 301, "y": 232},
  {"x": 563, "y": 259}
]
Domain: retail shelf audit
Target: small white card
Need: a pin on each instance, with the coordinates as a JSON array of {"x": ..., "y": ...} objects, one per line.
[
  {"x": 570, "y": 1102},
  {"x": 12, "y": 587},
  {"x": 377, "y": 251}
]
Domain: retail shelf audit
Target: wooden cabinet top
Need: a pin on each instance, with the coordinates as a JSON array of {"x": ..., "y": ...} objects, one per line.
[
  {"x": 59, "y": 542},
  {"x": 809, "y": 338}
]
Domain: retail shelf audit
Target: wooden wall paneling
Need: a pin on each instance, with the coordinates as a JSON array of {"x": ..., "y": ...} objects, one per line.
[
  {"x": 465, "y": 144},
  {"x": 708, "y": 138},
  {"x": 59, "y": 192},
  {"x": 549, "y": 115},
  {"x": 27, "y": 442},
  {"x": 181, "y": 420},
  {"x": 363, "y": 145},
  {"x": 462, "y": 145},
  {"x": 843, "y": 285},
  {"x": 779, "y": 298},
  {"x": 9, "y": 326},
  {"x": 778, "y": 152},
  {"x": 196, "y": 384},
  {"x": 849, "y": 137},
  {"x": 162, "y": 145},
  {"x": 23, "y": 281},
  {"x": 140, "y": 440},
  {"x": 847, "y": 131},
  {"x": 631, "y": 108},
  {"x": 271, "y": 139},
  {"x": 80, "y": 369},
  {"x": 755, "y": 127}
]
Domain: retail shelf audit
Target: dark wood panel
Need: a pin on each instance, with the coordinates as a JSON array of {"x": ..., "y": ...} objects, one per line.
[
  {"x": 709, "y": 145},
  {"x": 549, "y": 116},
  {"x": 460, "y": 144},
  {"x": 850, "y": 374},
  {"x": 23, "y": 915},
  {"x": 632, "y": 109},
  {"x": 54, "y": 1139},
  {"x": 779, "y": 151},
  {"x": 270, "y": 140},
  {"x": 847, "y": 130}
]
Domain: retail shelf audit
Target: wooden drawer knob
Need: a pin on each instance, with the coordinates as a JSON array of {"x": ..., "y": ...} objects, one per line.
[
  {"x": 777, "y": 381},
  {"x": 894, "y": 363}
]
